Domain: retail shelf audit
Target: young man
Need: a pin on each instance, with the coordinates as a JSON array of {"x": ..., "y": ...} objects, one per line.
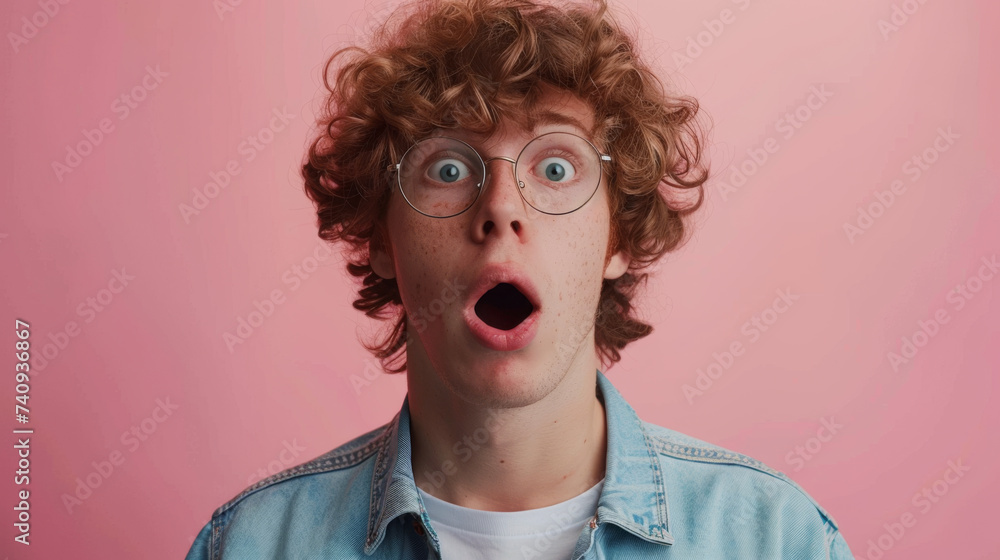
[{"x": 502, "y": 173}]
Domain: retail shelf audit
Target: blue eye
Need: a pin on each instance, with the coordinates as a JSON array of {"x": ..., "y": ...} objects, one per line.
[
  {"x": 448, "y": 170},
  {"x": 556, "y": 169}
]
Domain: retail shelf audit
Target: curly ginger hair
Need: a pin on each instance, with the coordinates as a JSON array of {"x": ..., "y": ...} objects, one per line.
[{"x": 471, "y": 64}]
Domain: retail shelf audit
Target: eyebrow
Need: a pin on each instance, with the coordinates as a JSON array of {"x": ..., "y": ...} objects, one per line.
[{"x": 551, "y": 117}]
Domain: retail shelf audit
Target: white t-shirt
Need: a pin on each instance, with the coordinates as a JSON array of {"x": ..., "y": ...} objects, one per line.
[{"x": 549, "y": 532}]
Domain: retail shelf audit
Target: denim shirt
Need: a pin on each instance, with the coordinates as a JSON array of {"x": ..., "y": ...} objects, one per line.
[{"x": 665, "y": 495}]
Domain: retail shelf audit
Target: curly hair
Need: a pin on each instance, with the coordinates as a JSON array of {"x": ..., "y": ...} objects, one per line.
[{"x": 471, "y": 64}]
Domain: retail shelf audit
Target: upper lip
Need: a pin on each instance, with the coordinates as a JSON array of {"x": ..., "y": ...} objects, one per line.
[{"x": 497, "y": 273}]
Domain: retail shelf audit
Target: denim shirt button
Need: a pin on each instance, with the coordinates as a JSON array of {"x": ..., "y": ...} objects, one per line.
[
  {"x": 418, "y": 527},
  {"x": 593, "y": 522}
]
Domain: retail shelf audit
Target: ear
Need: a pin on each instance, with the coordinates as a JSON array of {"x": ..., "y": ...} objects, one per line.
[
  {"x": 617, "y": 265},
  {"x": 381, "y": 262}
]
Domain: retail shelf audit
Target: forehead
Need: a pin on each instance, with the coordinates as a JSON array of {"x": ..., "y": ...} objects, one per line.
[
  {"x": 552, "y": 108},
  {"x": 560, "y": 107}
]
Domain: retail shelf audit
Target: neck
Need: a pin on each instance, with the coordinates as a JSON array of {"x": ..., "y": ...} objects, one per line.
[{"x": 508, "y": 459}]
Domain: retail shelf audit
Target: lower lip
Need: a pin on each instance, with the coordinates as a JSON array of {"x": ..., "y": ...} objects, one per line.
[{"x": 497, "y": 339}]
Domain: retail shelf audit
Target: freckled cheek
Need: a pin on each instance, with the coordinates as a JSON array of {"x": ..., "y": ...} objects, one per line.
[
  {"x": 590, "y": 255},
  {"x": 422, "y": 263},
  {"x": 591, "y": 237},
  {"x": 576, "y": 264}
]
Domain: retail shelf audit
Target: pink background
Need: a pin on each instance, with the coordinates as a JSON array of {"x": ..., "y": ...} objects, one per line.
[{"x": 289, "y": 385}]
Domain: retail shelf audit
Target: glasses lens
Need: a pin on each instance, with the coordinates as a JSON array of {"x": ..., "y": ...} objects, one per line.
[
  {"x": 560, "y": 172},
  {"x": 441, "y": 176}
]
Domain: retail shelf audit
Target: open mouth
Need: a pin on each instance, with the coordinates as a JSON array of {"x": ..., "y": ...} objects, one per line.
[{"x": 503, "y": 307}]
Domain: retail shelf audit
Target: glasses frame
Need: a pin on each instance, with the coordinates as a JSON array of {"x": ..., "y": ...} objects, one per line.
[{"x": 602, "y": 158}]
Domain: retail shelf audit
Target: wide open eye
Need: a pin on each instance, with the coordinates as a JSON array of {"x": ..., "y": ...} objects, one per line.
[
  {"x": 448, "y": 170},
  {"x": 555, "y": 170}
]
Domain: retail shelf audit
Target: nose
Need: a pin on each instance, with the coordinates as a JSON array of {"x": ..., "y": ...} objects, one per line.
[{"x": 500, "y": 202}]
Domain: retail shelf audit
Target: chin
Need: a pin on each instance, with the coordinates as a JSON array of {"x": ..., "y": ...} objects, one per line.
[{"x": 500, "y": 385}]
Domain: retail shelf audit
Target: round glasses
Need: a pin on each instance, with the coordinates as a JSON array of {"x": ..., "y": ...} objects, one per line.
[{"x": 556, "y": 173}]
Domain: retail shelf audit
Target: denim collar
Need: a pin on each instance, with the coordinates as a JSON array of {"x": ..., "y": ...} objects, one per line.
[{"x": 634, "y": 496}]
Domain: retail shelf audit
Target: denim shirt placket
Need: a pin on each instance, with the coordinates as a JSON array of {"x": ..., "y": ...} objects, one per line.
[{"x": 631, "y": 463}]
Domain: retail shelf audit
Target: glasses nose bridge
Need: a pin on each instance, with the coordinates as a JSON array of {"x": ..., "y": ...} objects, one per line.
[
  {"x": 513, "y": 162},
  {"x": 505, "y": 158},
  {"x": 513, "y": 169}
]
